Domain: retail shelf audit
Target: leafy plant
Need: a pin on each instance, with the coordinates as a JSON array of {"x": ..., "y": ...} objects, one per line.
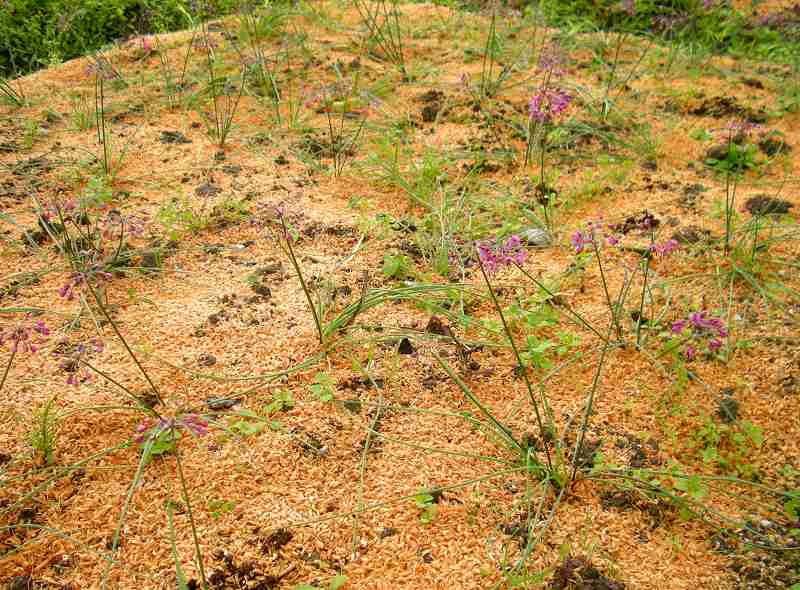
[
  {"x": 382, "y": 21},
  {"x": 727, "y": 446},
  {"x": 281, "y": 400},
  {"x": 397, "y": 266},
  {"x": 323, "y": 387},
  {"x": 247, "y": 423},
  {"x": 223, "y": 94},
  {"x": 218, "y": 508},
  {"x": 43, "y": 435},
  {"x": 426, "y": 504}
]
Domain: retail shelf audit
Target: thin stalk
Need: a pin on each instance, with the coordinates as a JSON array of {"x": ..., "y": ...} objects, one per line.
[
  {"x": 641, "y": 301},
  {"x": 567, "y": 307},
  {"x": 100, "y": 121},
  {"x": 187, "y": 501},
  {"x": 293, "y": 259},
  {"x": 362, "y": 468},
  {"x": 611, "y": 307},
  {"x": 612, "y": 74},
  {"x": 378, "y": 505},
  {"x": 124, "y": 342},
  {"x": 126, "y": 504},
  {"x": 589, "y": 404},
  {"x": 127, "y": 391},
  {"x": 520, "y": 364},
  {"x": 8, "y": 367},
  {"x": 501, "y": 429}
]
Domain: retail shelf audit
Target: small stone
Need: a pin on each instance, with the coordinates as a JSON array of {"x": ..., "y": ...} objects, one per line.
[
  {"x": 261, "y": 290},
  {"x": 766, "y": 205},
  {"x": 436, "y": 326},
  {"x": 221, "y": 403},
  {"x": 207, "y": 190},
  {"x": 728, "y": 409},
  {"x": 406, "y": 347},
  {"x": 207, "y": 360},
  {"x": 173, "y": 137},
  {"x": 535, "y": 236}
]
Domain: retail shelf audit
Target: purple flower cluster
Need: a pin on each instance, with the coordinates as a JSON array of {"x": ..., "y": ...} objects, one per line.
[
  {"x": 495, "y": 254},
  {"x": 25, "y": 336},
  {"x": 548, "y": 104},
  {"x": 116, "y": 222},
  {"x": 56, "y": 210},
  {"x": 71, "y": 360},
  {"x": 77, "y": 279},
  {"x": 552, "y": 60},
  {"x": 664, "y": 248},
  {"x": 739, "y": 128},
  {"x": 704, "y": 328},
  {"x": 145, "y": 46},
  {"x": 590, "y": 236},
  {"x": 150, "y": 428}
]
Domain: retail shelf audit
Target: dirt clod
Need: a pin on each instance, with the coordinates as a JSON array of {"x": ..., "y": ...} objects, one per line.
[{"x": 766, "y": 205}]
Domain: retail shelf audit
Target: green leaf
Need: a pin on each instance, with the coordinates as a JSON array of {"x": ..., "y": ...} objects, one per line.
[
  {"x": 429, "y": 514},
  {"x": 337, "y": 582},
  {"x": 180, "y": 577},
  {"x": 246, "y": 428},
  {"x": 323, "y": 387}
]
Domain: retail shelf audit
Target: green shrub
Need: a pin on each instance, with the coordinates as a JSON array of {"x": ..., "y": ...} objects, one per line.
[
  {"x": 35, "y": 33},
  {"x": 719, "y": 28}
]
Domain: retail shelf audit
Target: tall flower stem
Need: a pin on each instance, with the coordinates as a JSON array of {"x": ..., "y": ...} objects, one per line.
[
  {"x": 567, "y": 307},
  {"x": 187, "y": 501},
  {"x": 524, "y": 373},
  {"x": 730, "y": 200},
  {"x": 612, "y": 74},
  {"x": 641, "y": 301},
  {"x": 590, "y": 404},
  {"x": 124, "y": 342},
  {"x": 8, "y": 368},
  {"x": 611, "y": 306},
  {"x": 293, "y": 259}
]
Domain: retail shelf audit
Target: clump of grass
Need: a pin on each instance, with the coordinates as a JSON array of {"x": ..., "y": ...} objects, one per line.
[
  {"x": 382, "y": 21},
  {"x": 11, "y": 95},
  {"x": 43, "y": 434},
  {"x": 223, "y": 92}
]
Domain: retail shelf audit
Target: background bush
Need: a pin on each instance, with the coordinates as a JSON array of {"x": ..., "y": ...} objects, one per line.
[
  {"x": 719, "y": 28},
  {"x": 35, "y": 33}
]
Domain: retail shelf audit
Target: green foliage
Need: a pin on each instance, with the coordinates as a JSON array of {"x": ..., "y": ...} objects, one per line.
[
  {"x": 426, "y": 504},
  {"x": 163, "y": 443},
  {"x": 728, "y": 446},
  {"x": 44, "y": 431},
  {"x": 719, "y": 29},
  {"x": 218, "y": 508},
  {"x": 737, "y": 159},
  {"x": 323, "y": 387},
  {"x": 35, "y": 33},
  {"x": 248, "y": 424},
  {"x": 281, "y": 400},
  {"x": 397, "y": 266}
]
